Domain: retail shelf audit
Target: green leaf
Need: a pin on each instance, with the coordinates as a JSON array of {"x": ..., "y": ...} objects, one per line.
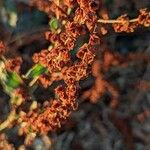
[
  {"x": 36, "y": 71},
  {"x": 53, "y": 24},
  {"x": 13, "y": 80}
]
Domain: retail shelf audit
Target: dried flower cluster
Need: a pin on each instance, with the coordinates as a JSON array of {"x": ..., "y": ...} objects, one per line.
[
  {"x": 14, "y": 65},
  {"x": 144, "y": 17},
  {"x": 76, "y": 19},
  {"x": 129, "y": 26},
  {"x": 56, "y": 7},
  {"x": 58, "y": 60},
  {"x": 124, "y": 24}
]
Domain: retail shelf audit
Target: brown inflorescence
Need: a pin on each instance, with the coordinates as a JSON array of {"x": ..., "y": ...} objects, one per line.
[
  {"x": 14, "y": 65},
  {"x": 45, "y": 80},
  {"x": 51, "y": 7},
  {"x": 70, "y": 3},
  {"x": 61, "y": 66},
  {"x": 58, "y": 61},
  {"x": 144, "y": 17},
  {"x": 54, "y": 115},
  {"x": 124, "y": 25}
]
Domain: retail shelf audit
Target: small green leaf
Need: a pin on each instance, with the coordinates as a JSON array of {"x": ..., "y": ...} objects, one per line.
[
  {"x": 13, "y": 80},
  {"x": 53, "y": 24},
  {"x": 36, "y": 71}
]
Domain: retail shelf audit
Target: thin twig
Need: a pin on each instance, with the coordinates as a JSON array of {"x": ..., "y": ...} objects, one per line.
[
  {"x": 111, "y": 21},
  {"x": 8, "y": 121}
]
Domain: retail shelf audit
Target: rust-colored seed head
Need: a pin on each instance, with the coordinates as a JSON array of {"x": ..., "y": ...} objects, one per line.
[
  {"x": 144, "y": 17},
  {"x": 58, "y": 61},
  {"x": 14, "y": 65}
]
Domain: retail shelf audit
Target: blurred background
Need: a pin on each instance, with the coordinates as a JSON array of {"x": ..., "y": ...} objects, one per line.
[{"x": 95, "y": 125}]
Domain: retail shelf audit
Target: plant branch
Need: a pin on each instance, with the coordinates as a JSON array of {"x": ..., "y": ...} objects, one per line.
[
  {"x": 8, "y": 121},
  {"x": 111, "y": 21}
]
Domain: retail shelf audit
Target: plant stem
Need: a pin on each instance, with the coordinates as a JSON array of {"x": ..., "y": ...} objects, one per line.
[
  {"x": 8, "y": 121},
  {"x": 111, "y": 21}
]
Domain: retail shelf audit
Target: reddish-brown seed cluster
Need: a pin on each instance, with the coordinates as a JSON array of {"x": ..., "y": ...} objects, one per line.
[
  {"x": 54, "y": 115},
  {"x": 58, "y": 61},
  {"x": 60, "y": 64},
  {"x": 86, "y": 14},
  {"x": 89, "y": 5},
  {"x": 45, "y": 80},
  {"x": 69, "y": 3},
  {"x": 59, "y": 56},
  {"x": 54, "y": 60},
  {"x": 14, "y": 65},
  {"x": 54, "y": 7},
  {"x": 144, "y": 17},
  {"x": 126, "y": 25}
]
